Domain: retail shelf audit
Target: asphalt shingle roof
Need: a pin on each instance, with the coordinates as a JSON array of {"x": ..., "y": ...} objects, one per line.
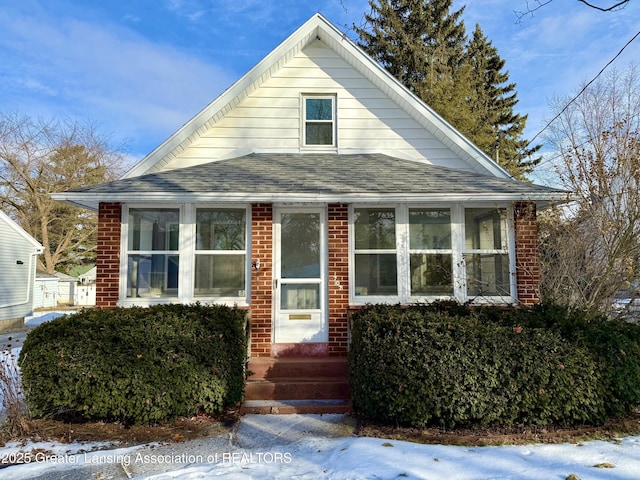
[{"x": 319, "y": 174}]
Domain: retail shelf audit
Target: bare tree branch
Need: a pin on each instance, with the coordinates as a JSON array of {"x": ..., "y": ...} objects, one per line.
[
  {"x": 536, "y": 5},
  {"x": 605, "y": 9},
  {"x": 590, "y": 253},
  {"x": 38, "y": 158}
]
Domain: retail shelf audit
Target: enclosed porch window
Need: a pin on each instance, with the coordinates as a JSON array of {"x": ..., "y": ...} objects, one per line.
[
  {"x": 376, "y": 269},
  {"x": 410, "y": 254},
  {"x": 220, "y": 255},
  {"x": 430, "y": 252},
  {"x": 486, "y": 255},
  {"x": 153, "y": 258},
  {"x": 187, "y": 253}
]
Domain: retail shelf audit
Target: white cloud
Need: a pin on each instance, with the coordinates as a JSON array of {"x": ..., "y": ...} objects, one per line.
[{"x": 108, "y": 73}]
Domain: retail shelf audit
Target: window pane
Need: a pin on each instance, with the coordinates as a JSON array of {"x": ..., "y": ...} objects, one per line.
[
  {"x": 485, "y": 229},
  {"x": 220, "y": 275},
  {"x": 375, "y": 229},
  {"x": 319, "y": 134},
  {"x": 300, "y": 245},
  {"x": 152, "y": 229},
  {"x": 431, "y": 274},
  {"x": 429, "y": 229},
  {"x": 153, "y": 275},
  {"x": 300, "y": 297},
  {"x": 376, "y": 274},
  {"x": 218, "y": 229},
  {"x": 319, "y": 109},
  {"x": 487, "y": 275}
]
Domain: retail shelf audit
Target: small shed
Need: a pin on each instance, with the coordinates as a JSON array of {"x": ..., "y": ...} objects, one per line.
[
  {"x": 66, "y": 288},
  {"x": 18, "y": 256},
  {"x": 45, "y": 294}
]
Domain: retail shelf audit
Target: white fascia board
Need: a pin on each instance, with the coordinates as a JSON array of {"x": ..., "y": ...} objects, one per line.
[
  {"x": 20, "y": 231},
  {"x": 92, "y": 200}
]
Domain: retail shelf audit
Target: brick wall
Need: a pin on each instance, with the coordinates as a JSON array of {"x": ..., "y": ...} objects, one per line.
[
  {"x": 261, "y": 279},
  {"x": 338, "y": 246},
  {"x": 108, "y": 255},
  {"x": 527, "y": 256}
]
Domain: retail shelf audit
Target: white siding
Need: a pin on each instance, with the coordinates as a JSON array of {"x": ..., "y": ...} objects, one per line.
[
  {"x": 268, "y": 120},
  {"x": 17, "y": 264},
  {"x": 45, "y": 293}
]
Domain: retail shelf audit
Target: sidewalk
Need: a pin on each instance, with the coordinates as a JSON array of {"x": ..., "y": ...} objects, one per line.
[{"x": 255, "y": 438}]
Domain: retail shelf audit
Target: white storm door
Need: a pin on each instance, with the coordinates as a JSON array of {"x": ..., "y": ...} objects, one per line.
[{"x": 300, "y": 275}]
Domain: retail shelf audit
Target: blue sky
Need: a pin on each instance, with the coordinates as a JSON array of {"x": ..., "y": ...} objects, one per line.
[{"x": 139, "y": 69}]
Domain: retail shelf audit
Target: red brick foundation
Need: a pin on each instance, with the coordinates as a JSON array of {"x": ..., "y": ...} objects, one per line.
[
  {"x": 108, "y": 255},
  {"x": 527, "y": 256}
]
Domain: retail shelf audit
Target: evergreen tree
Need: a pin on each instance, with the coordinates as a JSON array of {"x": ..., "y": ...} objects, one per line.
[
  {"x": 424, "y": 45},
  {"x": 421, "y": 43},
  {"x": 497, "y": 130}
]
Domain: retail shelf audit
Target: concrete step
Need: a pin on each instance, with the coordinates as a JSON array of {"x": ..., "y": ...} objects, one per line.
[
  {"x": 287, "y": 407},
  {"x": 297, "y": 389},
  {"x": 297, "y": 385},
  {"x": 268, "y": 368}
]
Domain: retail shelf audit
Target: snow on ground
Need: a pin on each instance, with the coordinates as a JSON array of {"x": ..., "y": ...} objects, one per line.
[
  {"x": 346, "y": 458},
  {"x": 366, "y": 458},
  {"x": 39, "y": 318},
  {"x": 10, "y": 346}
]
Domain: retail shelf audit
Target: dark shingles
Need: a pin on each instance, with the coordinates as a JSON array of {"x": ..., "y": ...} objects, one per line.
[{"x": 316, "y": 174}]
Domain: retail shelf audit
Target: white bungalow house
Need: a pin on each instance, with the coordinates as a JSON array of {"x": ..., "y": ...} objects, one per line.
[
  {"x": 18, "y": 256},
  {"x": 315, "y": 184}
]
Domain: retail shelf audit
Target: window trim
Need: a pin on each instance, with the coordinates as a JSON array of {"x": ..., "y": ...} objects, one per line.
[
  {"x": 246, "y": 252},
  {"x": 488, "y": 251},
  {"x": 458, "y": 250},
  {"x": 186, "y": 255},
  {"x": 382, "y": 251},
  {"x": 430, "y": 251},
  {"x": 125, "y": 252},
  {"x": 334, "y": 121}
]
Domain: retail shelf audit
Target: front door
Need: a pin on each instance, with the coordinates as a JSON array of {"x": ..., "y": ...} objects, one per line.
[{"x": 300, "y": 275}]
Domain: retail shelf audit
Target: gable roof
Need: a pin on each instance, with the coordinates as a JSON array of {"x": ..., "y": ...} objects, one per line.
[
  {"x": 263, "y": 177},
  {"x": 318, "y": 28},
  {"x": 21, "y": 232}
]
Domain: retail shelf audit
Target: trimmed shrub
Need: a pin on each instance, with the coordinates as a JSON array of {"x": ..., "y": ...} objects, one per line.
[
  {"x": 421, "y": 366},
  {"x": 136, "y": 365},
  {"x": 613, "y": 344}
]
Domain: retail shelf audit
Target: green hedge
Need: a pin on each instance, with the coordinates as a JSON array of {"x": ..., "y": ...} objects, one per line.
[
  {"x": 450, "y": 366},
  {"x": 136, "y": 365},
  {"x": 614, "y": 344}
]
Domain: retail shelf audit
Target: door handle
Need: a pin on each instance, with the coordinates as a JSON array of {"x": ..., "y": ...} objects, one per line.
[{"x": 275, "y": 283}]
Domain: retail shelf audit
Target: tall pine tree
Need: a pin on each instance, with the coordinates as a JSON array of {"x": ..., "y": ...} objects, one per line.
[
  {"x": 424, "y": 45},
  {"x": 497, "y": 130}
]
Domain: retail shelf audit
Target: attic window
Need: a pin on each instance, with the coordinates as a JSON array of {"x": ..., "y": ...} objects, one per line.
[{"x": 319, "y": 120}]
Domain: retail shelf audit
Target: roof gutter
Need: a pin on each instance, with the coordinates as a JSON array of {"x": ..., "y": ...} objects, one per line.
[{"x": 92, "y": 201}]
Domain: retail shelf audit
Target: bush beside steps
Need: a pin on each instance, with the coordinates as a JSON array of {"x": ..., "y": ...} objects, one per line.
[
  {"x": 136, "y": 365},
  {"x": 449, "y": 366}
]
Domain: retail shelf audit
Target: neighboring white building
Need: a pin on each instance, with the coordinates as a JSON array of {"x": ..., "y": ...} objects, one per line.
[
  {"x": 45, "y": 293},
  {"x": 89, "y": 277},
  {"x": 18, "y": 255},
  {"x": 66, "y": 288}
]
